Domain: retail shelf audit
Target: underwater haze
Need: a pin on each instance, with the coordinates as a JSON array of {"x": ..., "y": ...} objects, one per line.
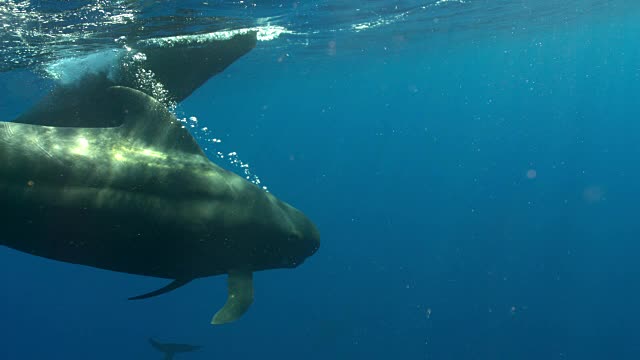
[{"x": 472, "y": 167}]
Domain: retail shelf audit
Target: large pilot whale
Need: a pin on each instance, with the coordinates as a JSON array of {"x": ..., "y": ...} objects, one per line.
[{"x": 110, "y": 179}]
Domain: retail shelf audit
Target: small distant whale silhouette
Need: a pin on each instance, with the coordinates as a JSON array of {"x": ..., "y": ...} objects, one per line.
[
  {"x": 101, "y": 174},
  {"x": 170, "y": 350}
]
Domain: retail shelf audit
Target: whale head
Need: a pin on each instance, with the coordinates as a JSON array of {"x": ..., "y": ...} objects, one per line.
[
  {"x": 300, "y": 237},
  {"x": 269, "y": 233}
]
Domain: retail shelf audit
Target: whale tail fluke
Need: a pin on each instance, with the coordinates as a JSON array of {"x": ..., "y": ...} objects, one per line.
[
  {"x": 170, "y": 350},
  {"x": 180, "y": 68}
]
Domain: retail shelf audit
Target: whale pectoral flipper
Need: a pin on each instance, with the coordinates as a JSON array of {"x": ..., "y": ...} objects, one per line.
[
  {"x": 172, "y": 286},
  {"x": 239, "y": 298}
]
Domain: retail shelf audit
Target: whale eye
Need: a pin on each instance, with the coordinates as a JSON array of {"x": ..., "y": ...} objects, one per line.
[{"x": 294, "y": 236}]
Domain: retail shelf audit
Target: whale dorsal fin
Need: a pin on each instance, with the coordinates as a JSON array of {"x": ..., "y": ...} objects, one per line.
[
  {"x": 83, "y": 104},
  {"x": 150, "y": 122}
]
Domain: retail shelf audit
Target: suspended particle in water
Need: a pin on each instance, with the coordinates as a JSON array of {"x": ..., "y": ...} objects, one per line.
[{"x": 532, "y": 174}]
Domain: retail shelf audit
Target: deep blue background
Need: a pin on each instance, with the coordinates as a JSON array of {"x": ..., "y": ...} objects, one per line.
[{"x": 413, "y": 162}]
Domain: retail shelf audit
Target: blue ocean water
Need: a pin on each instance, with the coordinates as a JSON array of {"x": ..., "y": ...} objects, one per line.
[{"x": 475, "y": 186}]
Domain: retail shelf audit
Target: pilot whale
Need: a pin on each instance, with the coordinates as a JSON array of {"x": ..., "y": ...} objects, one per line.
[
  {"x": 136, "y": 194},
  {"x": 170, "y": 349}
]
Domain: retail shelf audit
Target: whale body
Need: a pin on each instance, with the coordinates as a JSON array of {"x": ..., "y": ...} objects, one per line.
[{"x": 138, "y": 195}]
